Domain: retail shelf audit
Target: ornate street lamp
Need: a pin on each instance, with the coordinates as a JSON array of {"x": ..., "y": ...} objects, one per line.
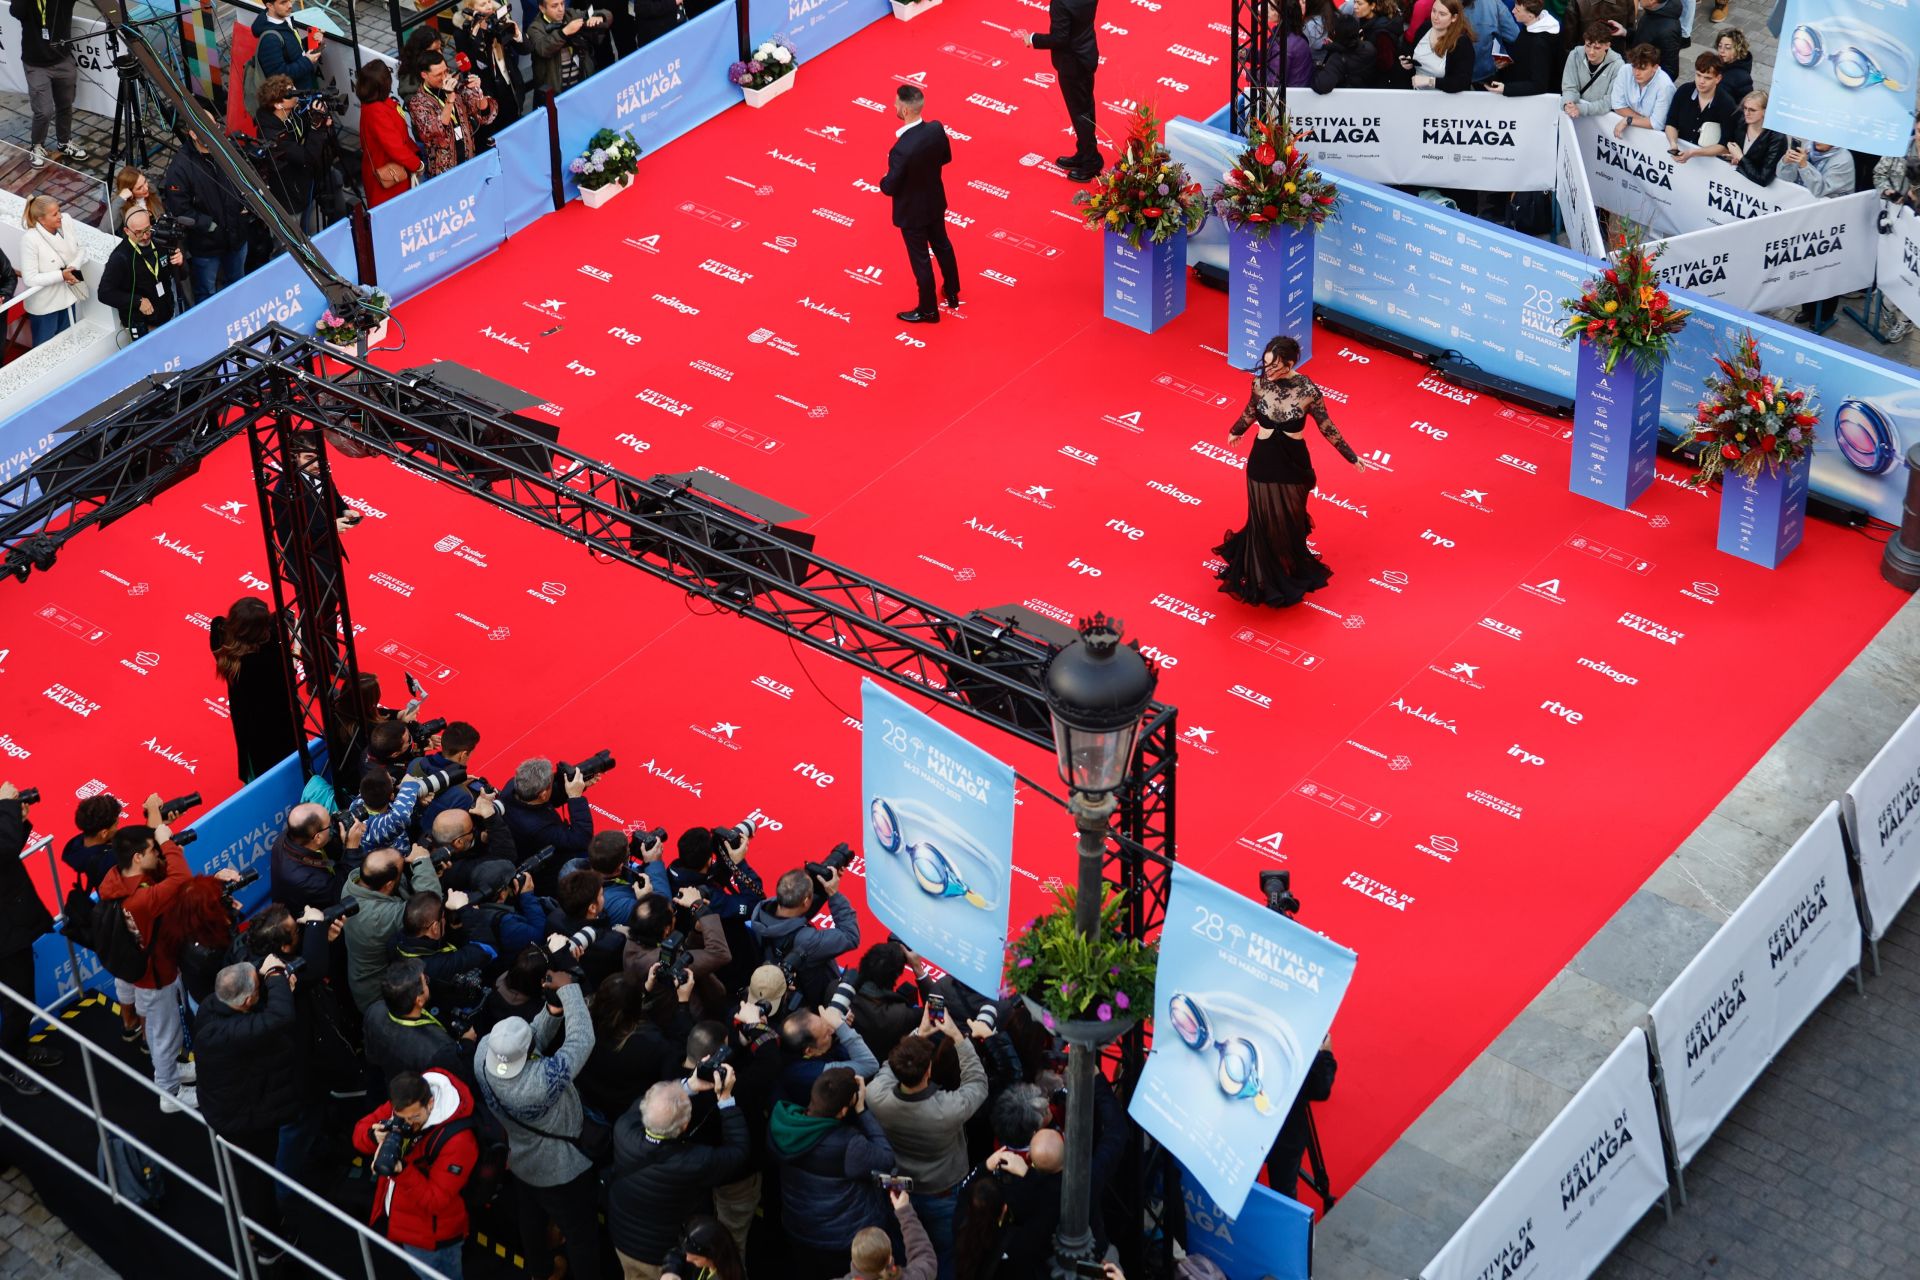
[{"x": 1097, "y": 691}]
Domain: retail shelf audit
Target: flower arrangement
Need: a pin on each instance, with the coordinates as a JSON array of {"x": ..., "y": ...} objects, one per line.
[
  {"x": 609, "y": 160},
  {"x": 1099, "y": 979},
  {"x": 1749, "y": 420},
  {"x": 1625, "y": 311},
  {"x": 1271, "y": 185},
  {"x": 1146, "y": 195},
  {"x": 342, "y": 332},
  {"x": 773, "y": 60}
]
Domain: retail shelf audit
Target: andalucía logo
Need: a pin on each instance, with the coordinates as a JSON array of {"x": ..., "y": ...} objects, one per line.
[
  {"x": 171, "y": 755},
  {"x": 178, "y": 548},
  {"x": 646, "y": 91},
  {"x": 995, "y": 532},
  {"x": 1610, "y": 1145},
  {"x": 672, "y": 777},
  {"x": 1423, "y": 715},
  {"x": 843, "y": 317}
]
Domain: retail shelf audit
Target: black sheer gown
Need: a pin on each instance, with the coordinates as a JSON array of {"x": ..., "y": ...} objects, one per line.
[{"x": 1268, "y": 561}]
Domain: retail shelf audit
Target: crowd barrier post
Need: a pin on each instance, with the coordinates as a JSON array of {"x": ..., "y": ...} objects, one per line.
[
  {"x": 365, "y": 269},
  {"x": 743, "y": 19},
  {"x": 556, "y": 163},
  {"x": 1669, "y": 1146}
]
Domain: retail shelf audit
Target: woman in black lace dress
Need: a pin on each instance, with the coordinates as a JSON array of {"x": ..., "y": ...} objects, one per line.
[{"x": 1268, "y": 562}]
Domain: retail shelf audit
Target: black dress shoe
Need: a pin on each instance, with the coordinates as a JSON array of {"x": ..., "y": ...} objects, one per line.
[
  {"x": 931, "y": 316},
  {"x": 1066, "y": 162},
  {"x": 953, "y": 301},
  {"x": 1087, "y": 174}
]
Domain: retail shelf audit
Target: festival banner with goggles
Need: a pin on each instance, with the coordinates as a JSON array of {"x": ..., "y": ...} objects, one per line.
[
  {"x": 937, "y": 825},
  {"x": 1242, "y": 1000},
  {"x": 1846, "y": 73}
]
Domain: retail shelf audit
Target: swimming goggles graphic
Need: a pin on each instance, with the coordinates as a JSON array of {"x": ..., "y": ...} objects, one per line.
[
  {"x": 1240, "y": 1071},
  {"x": 1866, "y": 437},
  {"x": 1842, "y": 44},
  {"x": 931, "y": 864}
]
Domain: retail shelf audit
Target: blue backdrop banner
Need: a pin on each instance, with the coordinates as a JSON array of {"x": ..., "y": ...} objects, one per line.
[
  {"x": 1271, "y": 1237},
  {"x": 936, "y": 815},
  {"x": 814, "y": 26},
  {"x": 424, "y": 236},
  {"x": 1243, "y": 998},
  {"x": 526, "y": 171},
  {"x": 670, "y": 86},
  {"x": 1845, "y": 74}
]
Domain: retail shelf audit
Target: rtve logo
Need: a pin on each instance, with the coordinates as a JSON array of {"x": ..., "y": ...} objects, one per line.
[
  {"x": 1428, "y": 429},
  {"x": 1553, "y": 706},
  {"x": 1127, "y": 531},
  {"x": 624, "y": 335}
]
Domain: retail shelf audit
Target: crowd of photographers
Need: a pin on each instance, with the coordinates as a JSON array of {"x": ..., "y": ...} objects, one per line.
[{"x": 505, "y": 1009}]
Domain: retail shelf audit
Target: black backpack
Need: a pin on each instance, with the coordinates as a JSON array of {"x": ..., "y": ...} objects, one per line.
[
  {"x": 489, "y": 1166},
  {"x": 102, "y": 928}
]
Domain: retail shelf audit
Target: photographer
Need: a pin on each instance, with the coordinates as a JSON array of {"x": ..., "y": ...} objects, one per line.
[
  {"x": 609, "y": 856},
  {"x": 717, "y": 858},
  {"x": 579, "y": 911},
  {"x": 418, "y": 1180},
  {"x": 447, "y": 113},
  {"x": 458, "y": 741},
  {"x": 659, "y": 1175},
  {"x": 464, "y": 840},
  {"x": 139, "y": 282},
  {"x": 381, "y": 887},
  {"x": 872, "y": 1252},
  {"x": 506, "y": 913},
  {"x": 90, "y": 851},
  {"x": 885, "y": 1009},
  {"x": 401, "y": 1033},
  {"x": 327, "y": 1065},
  {"x": 1290, "y": 1145},
  {"x": 784, "y": 926},
  {"x": 453, "y": 964},
  {"x": 827, "y": 1153},
  {"x": 563, "y": 43},
  {"x": 491, "y": 42},
  {"x": 214, "y": 214},
  {"x": 295, "y": 141},
  {"x": 813, "y": 1044},
  {"x": 281, "y": 52},
  {"x": 534, "y": 1093},
  {"x": 633, "y": 1044},
  {"x": 701, "y": 948},
  {"x": 250, "y": 1077},
  {"x": 535, "y": 816},
  {"x": 927, "y": 1124},
  {"x": 388, "y": 812},
  {"x": 299, "y": 873},
  {"x": 23, "y": 918}
]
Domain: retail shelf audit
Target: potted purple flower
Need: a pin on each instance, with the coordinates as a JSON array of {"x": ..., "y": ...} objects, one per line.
[
  {"x": 768, "y": 73},
  {"x": 343, "y": 335},
  {"x": 1085, "y": 990},
  {"x": 606, "y": 168}
]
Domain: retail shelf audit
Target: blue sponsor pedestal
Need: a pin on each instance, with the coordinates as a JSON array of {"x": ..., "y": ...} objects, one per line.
[
  {"x": 1616, "y": 428},
  {"x": 1762, "y": 517},
  {"x": 1145, "y": 287},
  {"x": 1270, "y": 292}
]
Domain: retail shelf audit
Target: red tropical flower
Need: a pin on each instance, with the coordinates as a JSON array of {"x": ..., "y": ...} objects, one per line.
[
  {"x": 1730, "y": 453},
  {"x": 1265, "y": 154}
]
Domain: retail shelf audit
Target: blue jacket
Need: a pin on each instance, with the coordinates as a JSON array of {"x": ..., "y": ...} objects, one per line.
[
  {"x": 535, "y": 826},
  {"x": 827, "y": 1191},
  {"x": 282, "y": 53},
  {"x": 389, "y": 828},
  {"x": 1490, "y": 20},
  {"x": 294, "y": 880}
]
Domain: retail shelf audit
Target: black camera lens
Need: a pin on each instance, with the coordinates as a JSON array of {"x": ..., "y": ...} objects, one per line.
[
  {"x": 170, "y": 809},
  {"x": 30, "y": 795},
  {"x": 185, "y": 838}
]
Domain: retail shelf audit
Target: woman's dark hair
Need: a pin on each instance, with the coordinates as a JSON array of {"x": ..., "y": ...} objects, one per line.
[
  {"x": 527, "y": 972},
  {"x": 706, "y": 1237},
  {"x": 615, "y": 1007},
  {"x": 882, "y": 965},
  {"x": 976, "y": 1245},
  {"x": 1282, "y": 348},
  {"x": 413, "y": 53},
  {"x": 364, "y": 709},
  {"x": 248, "y": 626},
  {"x": 374, "y": 83}
]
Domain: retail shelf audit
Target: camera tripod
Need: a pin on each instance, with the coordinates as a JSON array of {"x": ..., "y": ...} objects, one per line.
[{"x": 133, "y": 99}]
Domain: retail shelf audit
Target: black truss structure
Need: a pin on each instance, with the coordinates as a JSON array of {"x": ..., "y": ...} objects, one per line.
[
  {"x": 1250, "y": 80},
  {"x": 289, "y": 393}
]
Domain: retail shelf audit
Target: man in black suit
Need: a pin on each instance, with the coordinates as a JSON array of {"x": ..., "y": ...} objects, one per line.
[
  {"x": 920, "y": 149},
  {"x": 1069, "y": 37}
]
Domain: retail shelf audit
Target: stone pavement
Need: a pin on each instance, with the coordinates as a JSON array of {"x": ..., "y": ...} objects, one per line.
[
  {"x": 34, "y": 1244},
  {"x": 1817, "y": 1171}
]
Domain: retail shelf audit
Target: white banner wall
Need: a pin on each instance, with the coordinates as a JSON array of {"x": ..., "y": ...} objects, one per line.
[
  {"x": 1750, "y": 988},
  {"x": 1818, "y": 250},
  {"x": 1574, "y": 190},
  {"x": 1577, "y": 1191},
  {"x": 1881, "y": 820},
  {"x": 1899, "y": 275},
  {"x": 99, "y": 83},
  {"x": 1475, "y": 141},
  {"x": 1634, "y": 175}
]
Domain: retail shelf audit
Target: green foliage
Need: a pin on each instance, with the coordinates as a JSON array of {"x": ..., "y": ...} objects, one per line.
[{"x": 1100, "y": 978}]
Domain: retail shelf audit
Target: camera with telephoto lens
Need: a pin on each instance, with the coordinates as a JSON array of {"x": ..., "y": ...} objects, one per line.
[
  {"x": 836, "y": 860},
  {"x": 709, "y": 1067},
  {"x": 386, "y": 1158},
  {"x": 1277, "y": 886},
  {"x": 322, "y": 102},
  {"x": 30, "y": 795},
  {"x": 231, "y": 887},
  {"x": 345, "y": 907},
  {"x": 590, "y": 768},
  {"x": 294, "y": 965},
  {"x": 171, "y": 809},
  {"x": 739, "y": 833},
  {"x": 583, "y": 937},
  {"x": 185, "y": 838},
  {"x": 674, "y": 960},
  {"x": 433, "y": 783},
  {"x": 170, "y": 232},
  {"x": 422, "y": 731},
  {"x": 532, "y": 865}
]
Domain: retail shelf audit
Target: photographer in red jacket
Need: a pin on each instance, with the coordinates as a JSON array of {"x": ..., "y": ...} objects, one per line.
[{"x": 422, "y": 1164}]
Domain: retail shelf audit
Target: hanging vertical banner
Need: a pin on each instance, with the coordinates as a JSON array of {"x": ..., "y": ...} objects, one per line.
[
  {"x": 1755, "y": 982},
  {"x": 1813, "y": 251},
  {"x": 1241, "y": 1003},
  {"x": 1899, "y": 266},
  {"x": 1579, "y": 1188},
  {"x": 1271, "y": 1237},
  {"x": 937, "y": 825},
  {"x": 1883, "y": 819},
  {"x": 1845, "y": 73},
  {"x": 1574, "y": 190}
]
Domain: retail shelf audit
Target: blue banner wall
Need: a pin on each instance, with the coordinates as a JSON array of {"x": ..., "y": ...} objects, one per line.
[
  {"x": 1271, "y": 1237},
  {"x": 814, "y": 26},
  {"x": 526, "y": 176},
  {"x": 1242, "y": 1000},
  {"x": 1845, "y": 73},
  {"x": 238, "y": 832},
  {"x": 936, "y": 816},
  {"x": 424, "y": 236},
  {"x": 677, "y": 82}
]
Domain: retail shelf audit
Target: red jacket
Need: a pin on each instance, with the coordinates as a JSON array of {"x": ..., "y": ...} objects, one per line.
[
  {"x": 384, "y": 140},
  {"x": 145, "y": 901},
  {"x": 422, "y": 1202}
]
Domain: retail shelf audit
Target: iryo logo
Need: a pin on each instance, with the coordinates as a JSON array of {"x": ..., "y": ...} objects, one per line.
[
  {"x": 907, "y": 339},
  {"x": 1524, "y": 756},
  {"x": 1349, "y": 354},
  {"x": 1428, "y": 535},
  {"x": 1083, "y": 567},
  {"x": 575, "y": 366}
]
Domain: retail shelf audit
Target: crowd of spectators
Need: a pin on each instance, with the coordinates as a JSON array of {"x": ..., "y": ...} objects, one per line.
[{"x": 628, "y": 1043}]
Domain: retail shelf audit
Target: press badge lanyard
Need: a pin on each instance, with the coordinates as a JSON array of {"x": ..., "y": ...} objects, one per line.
[
  {"x": 46, "y": 27},
  {"x": 153, "y": 268},
  {"x": 459, "y": 134}
]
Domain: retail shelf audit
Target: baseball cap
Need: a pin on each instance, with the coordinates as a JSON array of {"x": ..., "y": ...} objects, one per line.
[
  {"x": 504, "y": 1053},
  {"x": 491, "y": 876},
  {"x": 769, "y": 984}
]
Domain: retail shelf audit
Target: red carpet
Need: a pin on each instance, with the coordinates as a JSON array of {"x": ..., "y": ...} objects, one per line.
[{"x": 1485, "y": 734}]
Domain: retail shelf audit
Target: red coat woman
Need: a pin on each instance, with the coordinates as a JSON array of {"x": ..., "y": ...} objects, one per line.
[{"x": 387, "y": 153}]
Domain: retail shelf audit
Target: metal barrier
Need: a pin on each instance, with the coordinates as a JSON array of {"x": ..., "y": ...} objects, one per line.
[{"x": 240, "y": 1263}]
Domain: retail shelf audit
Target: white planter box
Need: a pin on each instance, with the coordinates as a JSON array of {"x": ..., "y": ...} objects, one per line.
[
  {"x": 594, "y": 197},
  {"x": 375, "y": 337},
  {"x": 761, "y": 97},
  {"x": 908, "y": 12}
]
